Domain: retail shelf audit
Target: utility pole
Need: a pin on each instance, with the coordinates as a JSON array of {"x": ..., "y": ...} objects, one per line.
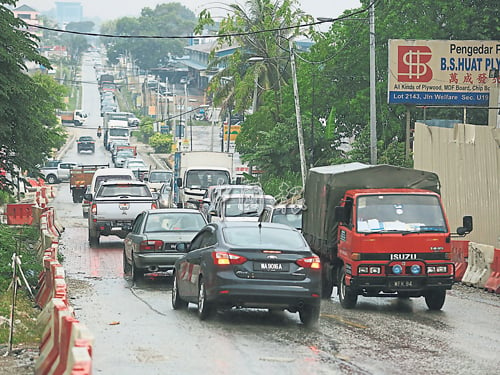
[
  {"x": 373, "y": 107},
  {"x": 300, "y": 135}
]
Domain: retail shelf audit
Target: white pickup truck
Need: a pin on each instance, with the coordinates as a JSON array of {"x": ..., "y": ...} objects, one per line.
[
  {"x": 56, "y": 171},
  {"x": 115, "y": 205}
]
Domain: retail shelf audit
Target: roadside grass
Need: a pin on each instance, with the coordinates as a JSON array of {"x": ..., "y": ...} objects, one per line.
[{"x": 21, "y": 240}]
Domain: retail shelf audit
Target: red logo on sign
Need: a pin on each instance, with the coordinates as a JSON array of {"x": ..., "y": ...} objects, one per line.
[{"x": 412, "y": 65}]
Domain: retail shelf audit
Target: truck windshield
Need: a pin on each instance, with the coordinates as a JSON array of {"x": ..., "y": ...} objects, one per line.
[
  {"x": 202, "y": 179},
  {"x": 404, "y": 213},
  {"x": 118, "y": 132},
  {"x": 160, "y": 177}
]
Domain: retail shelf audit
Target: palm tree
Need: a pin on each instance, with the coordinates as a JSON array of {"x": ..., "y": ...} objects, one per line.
[{"x": 260, "y": 28}]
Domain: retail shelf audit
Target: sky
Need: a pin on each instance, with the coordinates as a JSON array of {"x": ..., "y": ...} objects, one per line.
[{"x": 111, "y": 9}]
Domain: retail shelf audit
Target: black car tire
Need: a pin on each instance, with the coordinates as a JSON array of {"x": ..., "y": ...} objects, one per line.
[
  {"x": 435, "y": 299},
  {"x": 136, "y": 272},
  {"x": 51, "y": 179},
  {"x": 93, "y": 239},
  {"x": 309, "y": 315},
  {"x": 348, "y": 299},
  {"x": 177, "y": 302},
  {"x": 85, "y": 215},
  {"x": 326, "y": 282},
  {"x": 126, "y": 265},
  {"x": 205, "y": 308}
]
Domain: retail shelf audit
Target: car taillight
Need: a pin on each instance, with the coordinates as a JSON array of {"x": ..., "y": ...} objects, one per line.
[
  {"x": 93, "y": 209},
  {"x": 311, "y": 262},
  {"x": 223, "y": 258},
  {"x": 150, "y": 245},
  {"x": 154, "y": 206}
]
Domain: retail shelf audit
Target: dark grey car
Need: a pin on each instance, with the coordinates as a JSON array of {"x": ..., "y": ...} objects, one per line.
[
  {"x": 248, "y": 264},
  {"x": 151, "y": 245}
]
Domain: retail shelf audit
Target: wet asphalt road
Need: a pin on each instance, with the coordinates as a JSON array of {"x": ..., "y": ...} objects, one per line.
[{"x": 137, "y": 332}]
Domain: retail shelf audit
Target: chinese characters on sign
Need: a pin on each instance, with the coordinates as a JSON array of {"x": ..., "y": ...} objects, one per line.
[{"x": 442, "y": 72}]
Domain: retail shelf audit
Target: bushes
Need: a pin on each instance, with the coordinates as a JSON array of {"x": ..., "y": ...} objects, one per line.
[{"x": 162, "y": 143}]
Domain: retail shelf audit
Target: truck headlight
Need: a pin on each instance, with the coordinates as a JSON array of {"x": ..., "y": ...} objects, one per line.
[
  {"x": 363, "y": 269},
  {"x": 415, "y": 269},
  {"x": 375, "y": 269},
  {"x": 397, "y": 269}
]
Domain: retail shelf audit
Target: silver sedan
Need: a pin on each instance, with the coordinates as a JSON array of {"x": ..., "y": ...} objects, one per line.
[{"x": 151, "y": 245}]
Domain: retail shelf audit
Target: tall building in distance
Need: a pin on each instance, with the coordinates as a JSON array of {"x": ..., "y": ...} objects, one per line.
[{"x": 67, "y": 12}]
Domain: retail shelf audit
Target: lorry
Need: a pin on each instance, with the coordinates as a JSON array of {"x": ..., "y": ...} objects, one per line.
[
  {"x": 195, "y": 171},
  {"x": 77, "y": 117},
  {"x": 115, "y": 127},
  {"x": 115, "y": 205},
  {"x": 380, "y": 231},
  {"x": 80, "y": 177}
]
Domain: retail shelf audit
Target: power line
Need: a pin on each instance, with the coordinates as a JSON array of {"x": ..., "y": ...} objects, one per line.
[{"x": 319, "y": 22}]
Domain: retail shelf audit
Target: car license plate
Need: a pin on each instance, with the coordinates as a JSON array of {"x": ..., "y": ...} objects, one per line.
[
  {"x": 271, "y": 267},
  {"x": 402, "y": 283}
]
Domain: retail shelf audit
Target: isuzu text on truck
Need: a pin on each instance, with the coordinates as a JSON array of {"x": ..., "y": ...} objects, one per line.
[{"x": 379, "y": 231}]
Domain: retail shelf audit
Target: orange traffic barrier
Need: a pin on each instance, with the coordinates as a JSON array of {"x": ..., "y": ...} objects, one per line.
[
  {"x": 49, "y": 349},
  {"x": 493, "y": 282},
  {"x": 20, "y": 214},
  {"x": 459, "y": 255}
]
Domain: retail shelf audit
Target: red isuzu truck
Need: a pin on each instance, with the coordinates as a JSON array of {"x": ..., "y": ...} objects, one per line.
[{"x": 379, "y": 230}]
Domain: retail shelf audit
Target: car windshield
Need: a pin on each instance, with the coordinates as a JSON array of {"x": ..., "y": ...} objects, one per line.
[
  {"x": 264, "y": 237},
  {"x": 399, "y": 213},
  {"x": 125, "y": 153},
  {"x": 136, "y": 164},
  {"x": 244, "y": 206},
  {"x": 160, "y": 177},
  {"x": 124, "y": 190},
  {"x": 174, "y": 221},
  {"x": 202, "y": 179},
  {"x": 288, "y": 216}
]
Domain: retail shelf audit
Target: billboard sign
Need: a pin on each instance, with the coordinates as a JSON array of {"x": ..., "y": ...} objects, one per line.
[{"x": 442, "y": 72}]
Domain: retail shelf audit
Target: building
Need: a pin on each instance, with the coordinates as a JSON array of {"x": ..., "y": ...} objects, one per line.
[
  {"x": 67, "y": 12},
  {"x": 30, "y": 16}
]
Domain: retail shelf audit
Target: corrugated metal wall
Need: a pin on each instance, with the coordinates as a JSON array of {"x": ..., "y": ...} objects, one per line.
[{"x": 467, "y": 161}]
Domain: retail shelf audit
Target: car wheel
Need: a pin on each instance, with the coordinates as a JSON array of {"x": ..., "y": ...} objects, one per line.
[
  {"x": 136, "y": 272},
  {"x": 126, "y": 265},
  {"x": 177, "y": 302},
  {"x": 435, "y": 299},
  {"x": 326, "y": 283},
  {"x": 309, "y": 315},
  {"x": 205, "y": 308},
  {"x": 348, "y": 298},
  {"x": 51, "y": 179},
  {"x": 93, "y": 239}
]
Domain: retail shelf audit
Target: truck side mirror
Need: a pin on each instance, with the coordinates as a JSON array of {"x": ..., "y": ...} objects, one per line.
[
  {"x": 212, "y": 213},
  {"x": 87, "y": 196},
  {"x": 178, "y": 181},
  {"x": 466, "y": 227},
  {"x": 340, "y": 214},
  {"x": 238, "y": 180}
]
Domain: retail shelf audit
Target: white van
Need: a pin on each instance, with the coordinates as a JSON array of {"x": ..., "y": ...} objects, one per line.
[{"x": 108, "y": 174}]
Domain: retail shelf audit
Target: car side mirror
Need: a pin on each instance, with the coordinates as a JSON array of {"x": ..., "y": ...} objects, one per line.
[
  {"x": 238, "y": 180},
  {"x": 212, "y": 212},
  {"x": 467, "y": 226}
]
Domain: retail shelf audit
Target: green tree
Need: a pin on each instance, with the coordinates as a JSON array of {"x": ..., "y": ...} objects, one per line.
[
  {"x": 171, "y": 19},
  {"x": 29, "y": 128}
]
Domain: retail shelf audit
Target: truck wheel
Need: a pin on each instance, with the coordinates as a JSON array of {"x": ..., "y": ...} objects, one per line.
[
  {"x": 326, "y": 282},
  {"x": 435, "y": 299},
  {"x": 51, "y": 179},
  {"x": 347, "y": 298},
  {"x": 309, "y": 315},
  {"x": 75, "y": 198}
]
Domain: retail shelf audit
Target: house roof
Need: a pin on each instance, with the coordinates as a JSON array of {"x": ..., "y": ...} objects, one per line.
[{"x": 25, "y": 8}]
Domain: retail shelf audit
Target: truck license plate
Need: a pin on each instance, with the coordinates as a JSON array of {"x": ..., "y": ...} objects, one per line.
[{"x": 402, "y": 283}]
